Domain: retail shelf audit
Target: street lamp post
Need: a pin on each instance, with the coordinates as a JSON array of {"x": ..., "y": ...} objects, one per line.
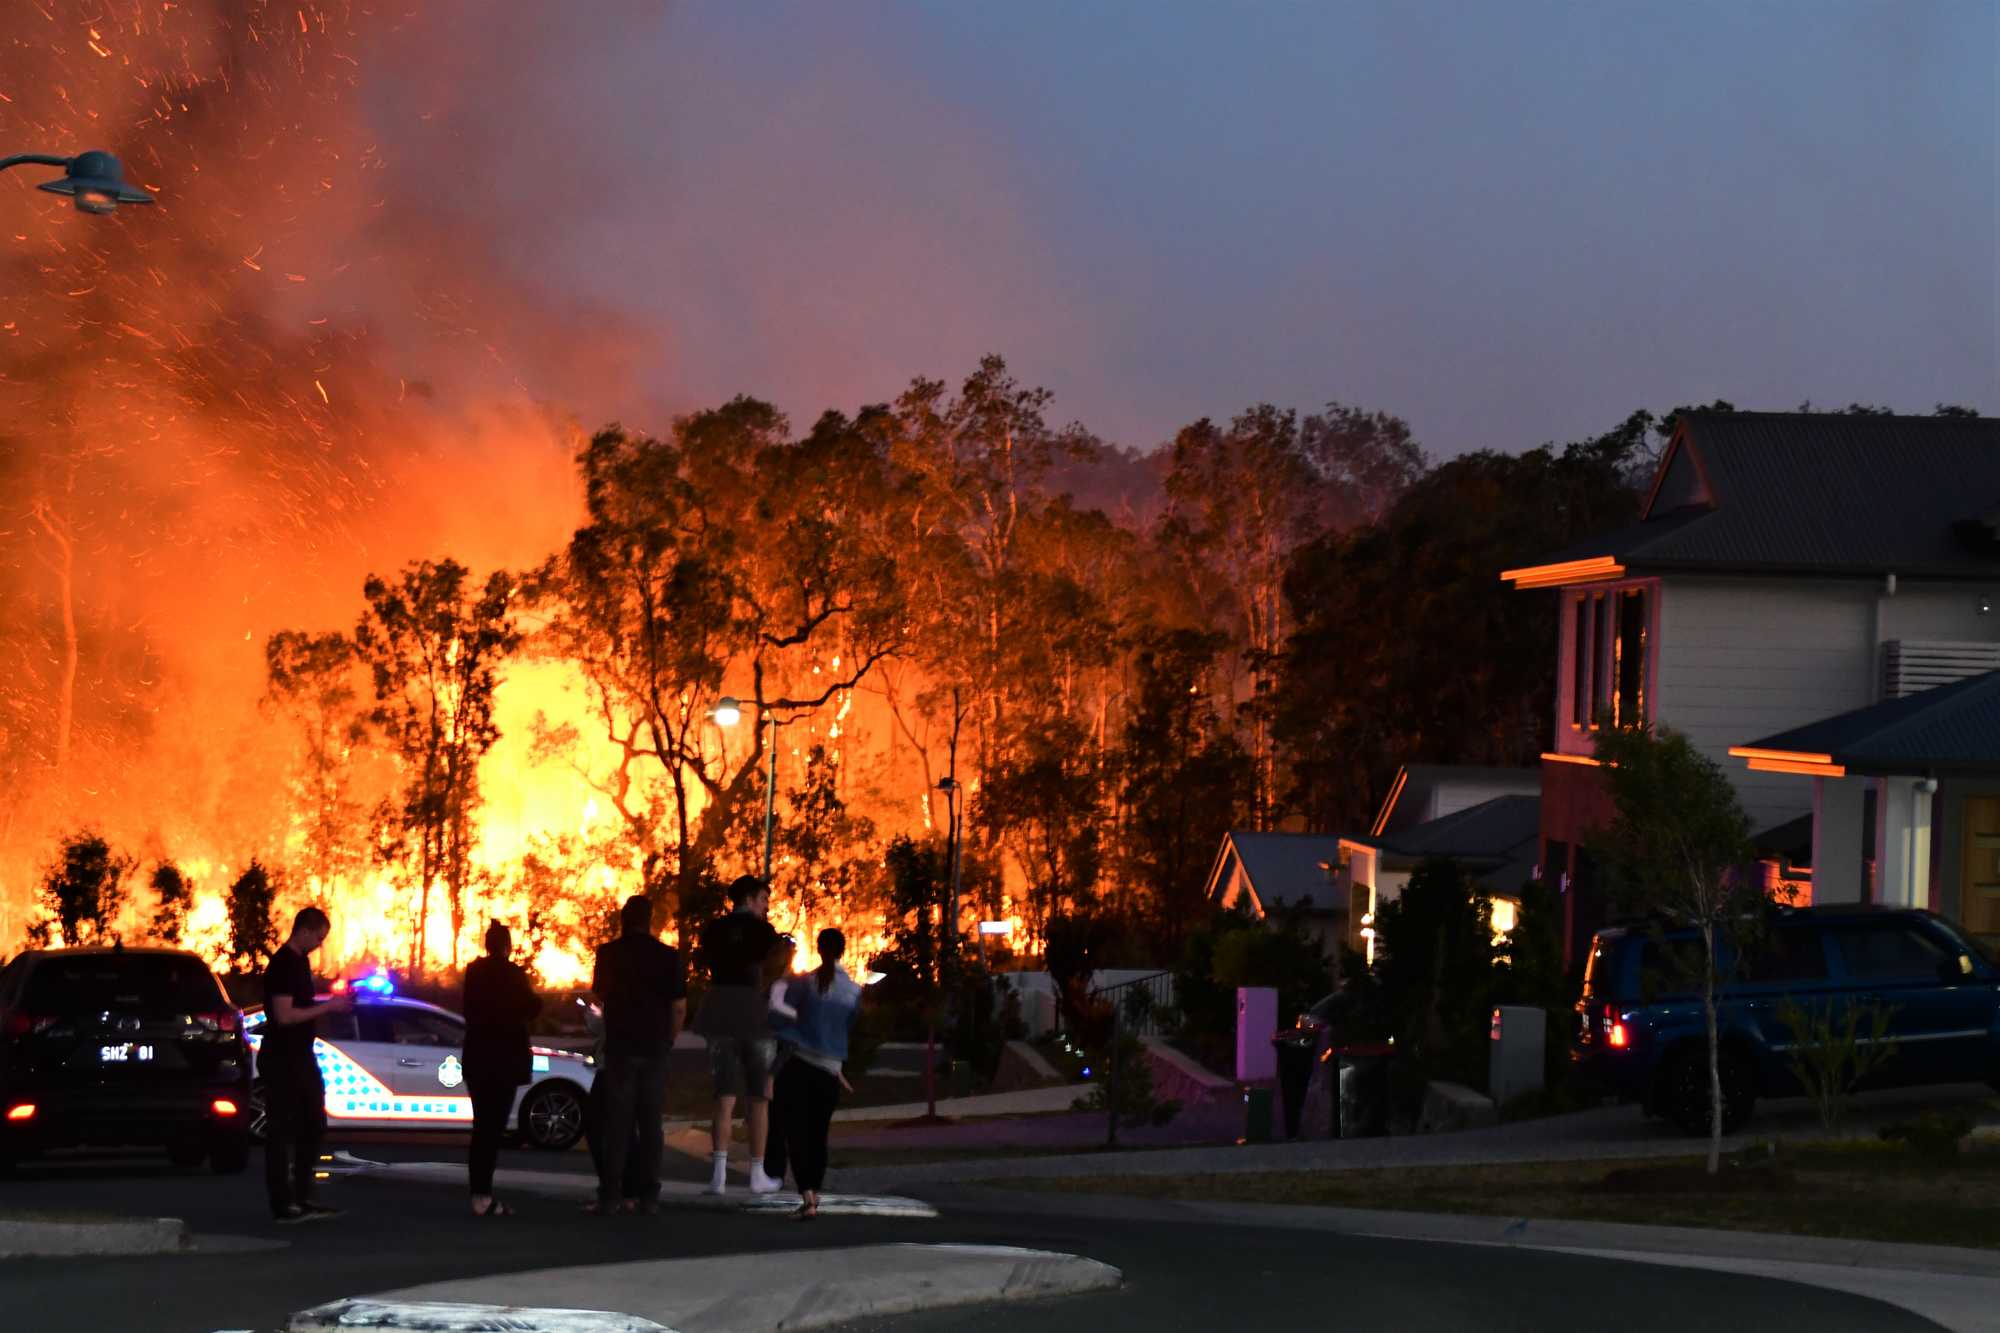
[
  {"x": 95, "y": 180},
  {"x": 947, "y": 933},
  {"x": 727, "y": 713}
]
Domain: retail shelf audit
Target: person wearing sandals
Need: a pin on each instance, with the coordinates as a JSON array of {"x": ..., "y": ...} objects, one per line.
[
  {"x": 825, "y": 1002},
  {"x": 500, "y": 1002},
  {"x": 642, "y": 988}
]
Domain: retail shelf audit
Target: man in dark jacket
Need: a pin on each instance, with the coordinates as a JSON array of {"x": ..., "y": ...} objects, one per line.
[
  {"x": 500, "y": 1002},
  {"x": 642, "y": 988}
]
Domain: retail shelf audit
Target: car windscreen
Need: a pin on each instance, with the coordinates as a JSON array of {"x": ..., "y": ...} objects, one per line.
[{"x": 153, "y": 982}]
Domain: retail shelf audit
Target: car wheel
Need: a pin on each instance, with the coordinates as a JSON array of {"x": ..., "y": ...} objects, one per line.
[
  {"x": 230, "y": 1155},
  {"x": 260, "y": 1111},
  {"x": 552, "y": 1117},
  {"x": 1684, "y": 1098}
]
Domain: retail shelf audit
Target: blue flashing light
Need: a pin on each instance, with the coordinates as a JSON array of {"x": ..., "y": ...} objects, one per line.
[{"x": 376, "y": 983}]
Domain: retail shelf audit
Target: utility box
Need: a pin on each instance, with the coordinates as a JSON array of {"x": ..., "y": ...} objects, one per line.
[
  {"x": 1256, "y": 1020},
  {"x": 1516, "y": 1054}
]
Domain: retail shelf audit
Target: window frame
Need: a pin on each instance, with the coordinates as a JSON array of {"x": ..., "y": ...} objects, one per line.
[{"x": 1586, "y": 608}]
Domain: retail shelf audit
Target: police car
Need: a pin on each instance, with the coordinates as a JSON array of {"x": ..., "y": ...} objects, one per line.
[{"x": 395, "y": 1063}]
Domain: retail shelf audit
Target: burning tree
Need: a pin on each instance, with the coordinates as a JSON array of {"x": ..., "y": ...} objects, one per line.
[
  {"x": 434, "y": 646},
  {"x": 82, "y": 893},
  {"x": 312, "y": 679},
  {"x": 721, "y": 550},
  {"x": 253, "y": 934},
  {"x": 824, "y": 848},
  {"x": 173, "y": 894},
  {"x": 1042, "y": 804}
]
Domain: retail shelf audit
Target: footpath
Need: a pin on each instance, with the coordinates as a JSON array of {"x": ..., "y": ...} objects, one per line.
[{"x": 1608, "y": 1133}]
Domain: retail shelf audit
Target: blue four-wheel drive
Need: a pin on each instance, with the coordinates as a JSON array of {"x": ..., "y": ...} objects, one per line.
[{"x": 1640, "y": 1031}]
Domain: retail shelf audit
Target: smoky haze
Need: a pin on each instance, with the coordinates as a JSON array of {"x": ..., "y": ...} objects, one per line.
[{"x": 311, "y": 359}]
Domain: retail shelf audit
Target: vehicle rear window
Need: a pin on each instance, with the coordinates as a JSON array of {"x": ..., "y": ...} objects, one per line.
[
  {"x": 157, "y": 982},
  {"x": 1673, "y": 967},
  {"x": 1787, "y": 954},
  {"x": 1891, "y": 951}
]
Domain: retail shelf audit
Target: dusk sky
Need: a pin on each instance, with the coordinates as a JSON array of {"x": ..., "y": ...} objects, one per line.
[{"x": 1506, "y": 222}]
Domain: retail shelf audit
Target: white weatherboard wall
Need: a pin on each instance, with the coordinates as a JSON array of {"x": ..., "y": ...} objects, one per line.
[
  {"x": 1740, "y": 659},
  {"x": 1940, "y": 611}
]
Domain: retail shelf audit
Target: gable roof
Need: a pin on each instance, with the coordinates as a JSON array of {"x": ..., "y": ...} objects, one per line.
[
  {"x": 1281, "y": 867},
  {"x": 1419, "y": 789},
  {"x": 1820, "y": 493},
  {"x": 1950, "y": 728},
  {"x": 1490, "y": 831}
]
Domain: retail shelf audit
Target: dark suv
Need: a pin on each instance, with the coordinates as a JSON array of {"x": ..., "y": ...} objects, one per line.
[
  {"x": 122, "y": 1046},
  {"x": 1641, "y": 1033}
]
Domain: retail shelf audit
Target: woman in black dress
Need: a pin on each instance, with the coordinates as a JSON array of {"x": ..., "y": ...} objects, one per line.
[{"x": 500, "y": 1002}]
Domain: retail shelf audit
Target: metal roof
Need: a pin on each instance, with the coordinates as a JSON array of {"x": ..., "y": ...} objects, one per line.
[
  {"x": 1411, "y": 794},
  {"x": 1822, "y": 493},
  {"x": 1495, "y": 830},
  {"x": 1286, "y": 867},
  {"x": 1950, "y": 728}
]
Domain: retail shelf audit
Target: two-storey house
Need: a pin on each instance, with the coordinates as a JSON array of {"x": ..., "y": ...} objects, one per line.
[{"x": 1788, "y": 570}]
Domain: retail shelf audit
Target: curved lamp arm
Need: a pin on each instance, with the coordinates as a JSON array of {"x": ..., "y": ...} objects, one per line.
[{"x": 95, "y": 180}]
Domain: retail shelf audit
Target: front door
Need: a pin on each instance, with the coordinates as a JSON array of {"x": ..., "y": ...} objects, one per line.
[{"x": 1979, "y": 869}]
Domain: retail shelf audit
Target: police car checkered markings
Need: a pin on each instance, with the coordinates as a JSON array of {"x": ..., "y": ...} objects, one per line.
[
  {"x": 352, "y": 1093},
  {"x": 453, "y": 1317},
  {"x": 843, "y": 1205}
]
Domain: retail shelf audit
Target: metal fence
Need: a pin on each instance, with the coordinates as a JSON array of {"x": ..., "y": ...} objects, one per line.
[{"x": 1144, "y": 1005}]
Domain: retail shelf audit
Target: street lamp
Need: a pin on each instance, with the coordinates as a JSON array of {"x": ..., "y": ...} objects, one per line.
[
  {"x": 727, "y": 713},
  {"x": 96, "y": 180},
  {"x": 953, "y": 794}
]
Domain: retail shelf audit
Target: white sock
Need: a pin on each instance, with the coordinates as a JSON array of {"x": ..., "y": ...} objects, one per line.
[
  {"x": 718, "y": 1179},
  {"x": 761, "y": 1183}
]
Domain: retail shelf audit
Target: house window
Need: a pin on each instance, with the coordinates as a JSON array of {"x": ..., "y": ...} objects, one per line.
[
  {"x": 1579, "y": 664},
  {"x": 1600, "y": 677},
  {"x": 1610, "y": 652},
  {"x": 1628, "y": 704}
]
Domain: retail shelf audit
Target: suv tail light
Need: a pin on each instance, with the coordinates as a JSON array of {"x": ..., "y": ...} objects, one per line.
[
  {"x": 19, "y": 1024},
  {"x": 1616, "y": 1035},
  {"x": 223, "y": 1020}
]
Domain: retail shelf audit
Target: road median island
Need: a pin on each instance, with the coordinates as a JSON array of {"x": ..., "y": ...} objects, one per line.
[
  {"x": 789, "y": 1289},
  {"x": 34, "y": 1235}
]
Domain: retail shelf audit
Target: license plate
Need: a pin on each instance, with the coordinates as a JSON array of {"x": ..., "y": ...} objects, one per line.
[{"x": 124, "y": 1053}]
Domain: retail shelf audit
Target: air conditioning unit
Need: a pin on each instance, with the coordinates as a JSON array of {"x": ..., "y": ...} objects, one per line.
[{"x": 1911, "y": 666}]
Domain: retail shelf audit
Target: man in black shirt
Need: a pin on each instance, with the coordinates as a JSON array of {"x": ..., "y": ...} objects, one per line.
[
  {"x": 735, "y": 949},
  {"x": 642, "y": 988},
  {"x": 294, "y": 1096}
]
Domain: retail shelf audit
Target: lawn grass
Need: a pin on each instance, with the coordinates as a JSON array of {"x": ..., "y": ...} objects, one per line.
[{"x": 1859, "y": 1191}]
